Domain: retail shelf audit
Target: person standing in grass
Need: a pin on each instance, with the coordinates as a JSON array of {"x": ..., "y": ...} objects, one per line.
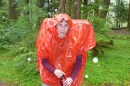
[{"x": 62, "y": 44}]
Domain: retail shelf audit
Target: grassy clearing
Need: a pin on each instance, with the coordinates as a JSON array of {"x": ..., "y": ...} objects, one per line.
[
  {"x": 112, "y": 69},
  {"x": 9, "y": 75}
]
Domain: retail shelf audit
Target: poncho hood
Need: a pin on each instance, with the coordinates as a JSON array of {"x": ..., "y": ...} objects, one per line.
[{"x": 59, "y": 17}]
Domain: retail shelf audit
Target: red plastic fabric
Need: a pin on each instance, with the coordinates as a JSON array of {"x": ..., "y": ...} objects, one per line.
[{"x": 62, "y": 52}]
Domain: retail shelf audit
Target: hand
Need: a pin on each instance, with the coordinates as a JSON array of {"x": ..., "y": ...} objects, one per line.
[
  {"x": 59, "y": 73},
  {"x": 68, "y": 82}
]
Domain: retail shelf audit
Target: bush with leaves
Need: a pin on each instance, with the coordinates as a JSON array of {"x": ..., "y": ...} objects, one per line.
[
  {"x": 25, "y": 61},
  {"x": 99, "y": 24},
  {"x": 93, "y": 12},
  {"x": 13, "y": 31}
]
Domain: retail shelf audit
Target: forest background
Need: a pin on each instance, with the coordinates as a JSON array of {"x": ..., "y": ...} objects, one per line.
[{"x": 20, "y": 21}]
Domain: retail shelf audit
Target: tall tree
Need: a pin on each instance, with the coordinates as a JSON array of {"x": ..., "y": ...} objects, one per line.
[
  {"x": 129, "y": 16},
  {"x": 0, "y": 3},
  {"x": 67, "y": 6},
  {"x": 96, "y": 7},
  {"x": 40, "y": 3},
  {"x": 77, "y": 8},
  {"x": 121, "y": 13},
  {"x": 27, "y": 2},
  {"x": 103, "y": 13},
  {"x": 117, "y": 12},
  {"x": 71, "y": 7},
  {"x": 13, "y": 13},
  {"x": 61, "y": 8},
  {"x": 86, "y": 4}
]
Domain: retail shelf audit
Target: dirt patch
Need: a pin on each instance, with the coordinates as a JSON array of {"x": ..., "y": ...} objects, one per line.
[
  {"x": 3, "y": 84},
  {"x": 119, "y": 32},
  {"x": 108, "y": 84},
  {"x": 122, "y": 32}
]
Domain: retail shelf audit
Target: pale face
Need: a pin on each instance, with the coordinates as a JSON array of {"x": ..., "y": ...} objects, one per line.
[{"x": 62, "y": 28}]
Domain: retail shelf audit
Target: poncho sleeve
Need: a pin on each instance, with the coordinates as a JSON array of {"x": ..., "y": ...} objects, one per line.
[
  {"x": 88, "y": 41},
  {"x": 43, "y": 43}
]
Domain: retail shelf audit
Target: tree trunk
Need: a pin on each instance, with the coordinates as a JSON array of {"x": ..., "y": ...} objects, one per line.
[
  {"x": 27, "y": 1},
  {"x": 129, "y": 16},
  {"x": 70, "y": 7},
  {"x": 1, "y": 3},
  {"x": 77, "y": 8},
  {"x": 67, "y": 7},
  {"x": 72, "y": 10},
  {"x": 86, "y": 2},
  {"x": 13, "y": 13},
  {"x": 103, "y": 13},
  {"x": 96, "y": 8},
  {"x": 28, "y": 12},
  {"x": 40, "y": 3},
  {"x": 85, "y": 13},
  {"x": 61, "y": 8},
  {"x": 118, "y": 13}
]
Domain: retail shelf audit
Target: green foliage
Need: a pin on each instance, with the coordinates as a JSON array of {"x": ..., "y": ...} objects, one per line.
[
  {"x": 32, "y": 12},
  {"x": 25, "y": 61},
  {"x": 23, "y": 32},
  {"x": 2, "y": 39},
  {"x": 99, "y": 24},
  {"x": 13, "y": 31},
  {"x": 92, "y": 13},
  {"x": 18, "y": 71},
  {"x": 3, "y": 23},
  {"x": 4, "y": 12},
  {"x": 124, "y": 12},
  {"x": 100, "y": 44},
  {"x": 121, "y": 11}
]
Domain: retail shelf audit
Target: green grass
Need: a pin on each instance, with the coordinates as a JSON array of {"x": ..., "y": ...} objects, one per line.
[
  {"x": 9, "y": 75},
  {"x": 112, "y": 69}
]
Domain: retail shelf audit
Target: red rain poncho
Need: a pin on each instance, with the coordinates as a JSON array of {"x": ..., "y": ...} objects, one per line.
[{"x": 62, "y": 53}]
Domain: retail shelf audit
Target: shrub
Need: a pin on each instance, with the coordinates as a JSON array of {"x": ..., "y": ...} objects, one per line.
[
  {"x": 99, "y": 24},
  {"x": 25, "y": 61}
]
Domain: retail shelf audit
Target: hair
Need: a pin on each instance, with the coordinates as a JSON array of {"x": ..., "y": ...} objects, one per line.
[{"x": 65, "y": 20}]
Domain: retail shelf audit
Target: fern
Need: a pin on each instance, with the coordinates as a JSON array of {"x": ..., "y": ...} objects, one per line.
[{"x": 25, "y": 61}]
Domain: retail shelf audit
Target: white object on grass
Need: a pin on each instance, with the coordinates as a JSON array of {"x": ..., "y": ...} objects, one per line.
[
  {"x": 86, "y": 76},
  {"x": 29, "y": 59},
  {"x": 95, "y": 59}
]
